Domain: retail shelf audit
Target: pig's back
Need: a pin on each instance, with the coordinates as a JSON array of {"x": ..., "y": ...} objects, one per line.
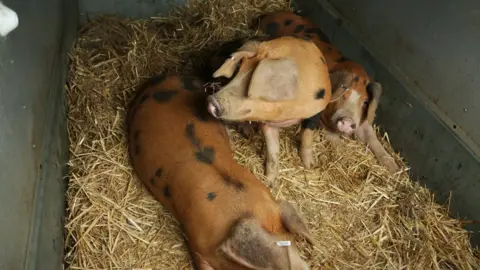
[
  {"x": 287, "y": 23},
  {"x": 170, "y": 130},
  {"x": 314, "y": 89},
  {"x": 313, "y": 71}
]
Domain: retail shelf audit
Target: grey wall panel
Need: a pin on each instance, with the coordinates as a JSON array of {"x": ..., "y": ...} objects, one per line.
[
  {"x": 33, "y": 138},
  {"x": 441, "y": 159}
]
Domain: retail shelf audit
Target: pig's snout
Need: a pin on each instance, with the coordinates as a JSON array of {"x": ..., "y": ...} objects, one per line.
[
  {"x": 214, "y": 107},
  {"x": 346, "y": 125}
]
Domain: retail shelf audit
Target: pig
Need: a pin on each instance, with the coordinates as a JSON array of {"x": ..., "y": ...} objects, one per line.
[
  {"x": 352, "y": 113},
  {"x": 276, "y": 82},
  {"x": 215, "y": 61},
  {"x": 183, "y": 157}
]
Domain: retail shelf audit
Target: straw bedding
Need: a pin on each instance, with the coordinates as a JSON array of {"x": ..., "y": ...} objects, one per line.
[{"x": 362, "y": 216}]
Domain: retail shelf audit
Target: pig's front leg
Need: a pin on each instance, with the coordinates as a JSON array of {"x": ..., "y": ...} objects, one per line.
[
  {"x": 306, "y": 151},
  {"x": 306, "y": 138},
  {"x": 273, "y": 149},
  {"x": 245, "y": 129},
  {"x": 306, "y": 144},
  {"x": 200, "y": 263},
  {"x": 367, "y": 135},
  {"x": 333, "y": 137}
]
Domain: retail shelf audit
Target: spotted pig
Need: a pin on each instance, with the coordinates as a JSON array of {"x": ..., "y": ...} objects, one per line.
[
  {"x": 353, "y": 113},
  {"x": 182, "y": 155},
  {"x": 277, "y": 82}
]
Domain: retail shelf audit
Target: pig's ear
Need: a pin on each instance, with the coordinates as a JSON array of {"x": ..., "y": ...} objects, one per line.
[
  {"x": 224, "y": 52},
  {"x": 249, "y": 245},
  {"x": 274, "y": 80},
  {"x": 341, "y": 80},
  {"x": 293, "y": 222},
  {"x": 374, "y": 90},
  {"x": 229, "y": 66}
]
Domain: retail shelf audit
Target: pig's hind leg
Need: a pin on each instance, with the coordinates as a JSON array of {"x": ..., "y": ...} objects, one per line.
[
  {"x": 306, "y": 139},
  {"x": 306, "y": 151},
  {"x": 273, "y": 150}
]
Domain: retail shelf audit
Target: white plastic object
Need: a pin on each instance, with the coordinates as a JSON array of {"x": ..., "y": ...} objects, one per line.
[
  {"x": 284, "y": 243},
  {"x": 8, "y": 20}
]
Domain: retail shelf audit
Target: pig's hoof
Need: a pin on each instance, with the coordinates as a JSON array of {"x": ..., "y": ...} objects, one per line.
[
  {"x": 271, "y": 173},
  {"x": 307, "y": 158},
  {"x": 246, "y": 130},
  {"x": 336, "y": 143},
  {"x": 390, "y": 164},
  {"x": 271, "y": 176},
  {"x": 334, "y": 140}
]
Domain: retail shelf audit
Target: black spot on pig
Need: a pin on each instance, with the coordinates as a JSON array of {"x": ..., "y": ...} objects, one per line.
[
  {"x": 190, "y": 134},
  {"x": 287, "y": 22},
  {"x": 143, "y": 99},
  {"x": 312, "y": 122},
  {"x": 136, "y": 135},
  {"x": 192, "y": 84},
  {"x": 137, "y": 149},
  {"x": 159, "y": 172},
  {"x": 321, "y": 35},
  {"x": 230, "y": 182},
  {"x": 239, "y": 186},
  {"x": 206, "y": 155},
  {"x": 203, "y": 154},
  {"x": 320, "y": 94},
  {"x": 299, "y": 28},
  {"x": 211, "y": 196},
  {"x": 163, "y": 96},
  {"x": 153, "y": 81},
  {"x": 309, "y": 36},
  {"x": 166, "y": 191},
  {"x": 271, "y": 29}
]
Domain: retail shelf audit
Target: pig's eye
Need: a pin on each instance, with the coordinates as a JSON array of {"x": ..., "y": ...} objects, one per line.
[{"x": 365, "y": 103}]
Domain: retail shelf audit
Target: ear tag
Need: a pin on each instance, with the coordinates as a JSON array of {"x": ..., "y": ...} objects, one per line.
[{"x": 284, "y": 243}]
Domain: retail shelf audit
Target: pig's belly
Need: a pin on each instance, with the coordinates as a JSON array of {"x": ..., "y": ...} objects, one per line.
[{"x": 285, "y": 123}]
